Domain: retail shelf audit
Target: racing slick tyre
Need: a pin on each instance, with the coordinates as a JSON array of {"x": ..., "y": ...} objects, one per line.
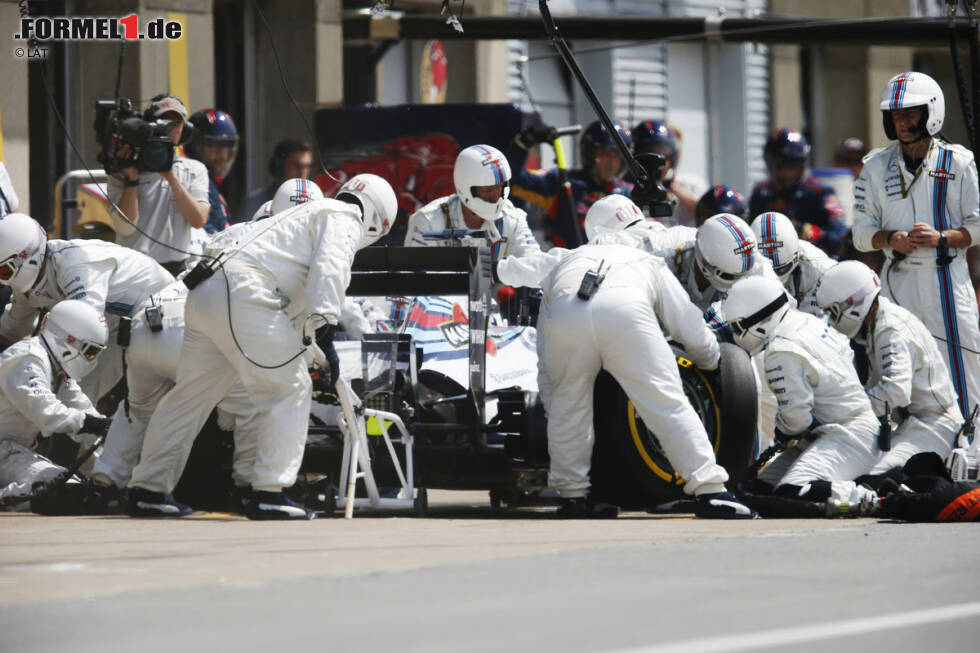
[{"x": 629, "y": 467}]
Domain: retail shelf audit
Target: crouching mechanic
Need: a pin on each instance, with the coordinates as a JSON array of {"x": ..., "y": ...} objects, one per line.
[
  {"x": 618, "y": 328},
  {"x": 822, "y": 406},
  {"x": 798, "y": 264},
  {"x": 39, "y": 393},
  {"x": 114, "y": 280},
  {"x": 908, "y": 374},
  {"x": 239, "y": 326}
]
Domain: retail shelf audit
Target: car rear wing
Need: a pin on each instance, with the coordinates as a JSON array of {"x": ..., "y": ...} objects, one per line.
[{"x": 384, "y": 271}]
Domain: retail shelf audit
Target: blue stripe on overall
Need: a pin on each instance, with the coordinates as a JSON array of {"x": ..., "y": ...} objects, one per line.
[{"x": 946, "y": 298}]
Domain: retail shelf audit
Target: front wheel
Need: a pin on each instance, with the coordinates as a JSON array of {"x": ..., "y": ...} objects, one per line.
[{"x": 629, "y": 466}]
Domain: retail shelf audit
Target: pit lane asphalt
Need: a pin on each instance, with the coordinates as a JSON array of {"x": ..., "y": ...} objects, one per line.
[{"x": 469, "y": 578}]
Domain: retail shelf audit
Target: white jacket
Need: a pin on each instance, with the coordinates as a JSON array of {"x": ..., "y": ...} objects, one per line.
[
  {"x": 810, "y": 370},
  {"x": 675, "y": 245},
  {"x": 111, "y": 278},
  {"x": 34, "y": 398},
  {"x": 880, "y": 204},
  {"x": 305, "y": 253},
  {"x": 515, "y": 238},
  {"x": 648, "y": 276},
  {"x": 907, "y": 369}
]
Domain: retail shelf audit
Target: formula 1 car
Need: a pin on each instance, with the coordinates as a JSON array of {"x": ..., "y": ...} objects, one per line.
[{"x": 469, "y": 433}]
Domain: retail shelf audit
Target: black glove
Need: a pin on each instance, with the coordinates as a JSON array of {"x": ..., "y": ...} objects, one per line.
[
  {"x": 96, "y": 425},
  {"x": 783, "y": 438},
  {"x": 531, "y": 136},
  {"x": 328, "y": 377}
]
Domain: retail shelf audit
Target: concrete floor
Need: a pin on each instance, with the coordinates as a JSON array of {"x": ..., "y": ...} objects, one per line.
[{"x": 469, "y": 578}]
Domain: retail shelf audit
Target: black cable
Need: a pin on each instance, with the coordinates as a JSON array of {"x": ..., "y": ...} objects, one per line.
[
  {"x": 234, "y": 338},
  {"x": 119, "y": 67},
  {"x": 956, "y": 344},
  {"x": 282, "y": 78},
  {"x": 975, "y": 66},
  {"x": 965, "y": 105},
  {"x": 702, "y": 36}
]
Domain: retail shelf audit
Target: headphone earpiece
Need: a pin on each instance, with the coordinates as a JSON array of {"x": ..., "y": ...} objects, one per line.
[{"x": 276, "y": 163}]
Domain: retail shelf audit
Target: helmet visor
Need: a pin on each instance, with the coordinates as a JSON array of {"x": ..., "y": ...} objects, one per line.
[
  {"x": 8, "y": 268},
  {"x": 89, "y": 350},
  {"x": 741, "y": 326},
  {"x": 784, "y": 269}
]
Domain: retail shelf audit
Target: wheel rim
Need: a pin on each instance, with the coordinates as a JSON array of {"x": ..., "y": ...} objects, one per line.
[{"x": 701, "y": 397}]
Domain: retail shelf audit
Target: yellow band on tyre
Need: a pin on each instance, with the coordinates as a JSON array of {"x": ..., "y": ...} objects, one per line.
[{"x": 670, "y": 477}]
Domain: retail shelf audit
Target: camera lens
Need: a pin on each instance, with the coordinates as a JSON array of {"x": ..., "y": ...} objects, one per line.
[{"x": 157, "y": 156}]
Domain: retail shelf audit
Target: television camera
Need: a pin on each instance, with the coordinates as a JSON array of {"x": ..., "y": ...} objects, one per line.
[{"x": 150, "y": 147}]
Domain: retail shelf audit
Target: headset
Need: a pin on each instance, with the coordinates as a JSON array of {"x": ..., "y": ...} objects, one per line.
[{"x": 282, "y": 151}]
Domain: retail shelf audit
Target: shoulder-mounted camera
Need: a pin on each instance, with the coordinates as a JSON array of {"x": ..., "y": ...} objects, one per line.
[{"x": 118, "y": 123}]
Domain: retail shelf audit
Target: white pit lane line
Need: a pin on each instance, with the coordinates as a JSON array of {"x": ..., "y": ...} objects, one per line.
[{"x": 812, "y": 632}]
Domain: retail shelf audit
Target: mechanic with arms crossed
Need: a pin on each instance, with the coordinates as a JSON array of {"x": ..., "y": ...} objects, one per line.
[{"x": 918, "y": 201}]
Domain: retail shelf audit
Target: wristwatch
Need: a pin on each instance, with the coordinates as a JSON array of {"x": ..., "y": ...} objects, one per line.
[
  {"x": 942, "y": 241},
  {"x": 128, "y": 183}
]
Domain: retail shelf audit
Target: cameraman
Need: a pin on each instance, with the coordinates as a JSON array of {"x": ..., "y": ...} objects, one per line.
[{"x": 165, "y": 206}]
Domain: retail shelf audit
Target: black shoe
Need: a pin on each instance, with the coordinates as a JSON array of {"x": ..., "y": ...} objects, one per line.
[
  {"x": 144, "y": 503},
  {"x": 103, "y": 500},
  {"x": 275, "y": 505},
  {"x": 585, "y": 508},
  {"x": 240, "y": 495},
  {"x": 722, "y": 505}
]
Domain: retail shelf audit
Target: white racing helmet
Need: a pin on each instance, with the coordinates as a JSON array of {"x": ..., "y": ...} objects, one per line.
[
  {"x": 75, "y": 333},
  {"x": 611, "y": 213},
  {"x": 378, "y": 204},
  {"x": 753, "y": 308},
  {"x": 262, "y": 212},
  {"x": 846, "y": 292},
  {"x": 482, "y": 165},
  {"x": 909, "y": 90},
  {"x": 776, "y": 238},
  {"x": 724, "y": 249},
  {"x": 22, "y": 246},
  {"x": 294, "y": 192}
]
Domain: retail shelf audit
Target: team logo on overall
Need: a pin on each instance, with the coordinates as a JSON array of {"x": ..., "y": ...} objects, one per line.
[{"x": 942, "y": 175}]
